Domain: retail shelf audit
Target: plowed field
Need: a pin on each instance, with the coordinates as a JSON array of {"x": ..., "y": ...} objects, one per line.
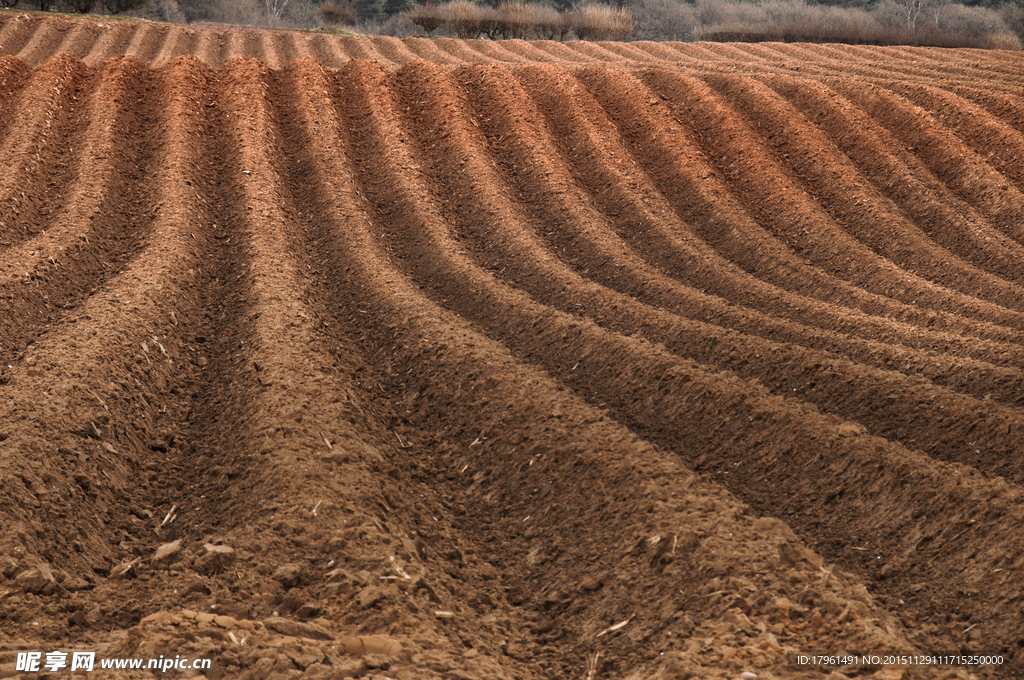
[{"x": 334, "y": 357}]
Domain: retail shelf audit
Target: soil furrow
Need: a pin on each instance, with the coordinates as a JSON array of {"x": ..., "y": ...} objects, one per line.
[
  {"x": 795, "y": 217},
  {"x": 495, "y": 51},
  {"x": 1007, "y": 109},
  {"x": 964, "y": 171},
  {"x": 105, "y": 198},
  {"x": 591, "y": 145},
  {"x": 15, "y": 32},
  {"x": 112, "y": 41},
  {"x": 78, "y": 40},
  {"x": 212, "y": 48},
  {"x": 563, "y": 54},
  {"x": 272, "y": 56},
  {"x": 244, "y": 43},
  {"x": 864, "y": 210},
  {"x": 453, "y": 150},
  {"x": 528, "y": 50},
  {"x": 14, "y": 75},
  {"x": 40, "y": 47},
  {"x": 393, "y": 49},
  {"x": 651, "y": 391},
  {"x": 49, "y": 110},
  {"x": 942, "y": 215},
  {"x": 425, "y": 48},
  {"x": 323, "y": 49},
  {"x": 463, "y": 52},
  {"x": 180, "y": 41},
  {"x": 148, "y": 42},
  {"x": 991, "y": 138},
  {"x": 119, "y": 352},
  {"x": 671, "y": 156},
  {"x": 407, "y": 328}
]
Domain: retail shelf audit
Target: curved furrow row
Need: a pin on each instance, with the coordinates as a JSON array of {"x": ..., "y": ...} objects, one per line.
[
  {"x": 16, "y": 31},
  {"x": 148, "y": 42},
  {"x": 629, "y": 53},
  {"x": 598, "y": 52},
  {"x": 1009, "y": 109},
  {"x": 323, "y": 48},
  {"x": 212, "y": 48},
  {"x": 530, "y": 51},
  {"x": 889, "y": 62},
  {"x": 78, "y": 40},
  {"x": 48, "y": 109},
  {"x": 14, "y": 75},
  {"x": 964, "y": 171},
  {"x": 994, "y": 139},
  {"x": 425, "y": 48},
  {"x": 300, "y": 45},
  {"x": 101, "y": 216},
  {"x": 462, "y": 52},
  {"x": 467, "y": 382},
  {"x": 563, "y": 54},
  {"x": 762, "y": 182},
  {"x": 363, "y": 47},
  {"x": 290, "y": 390},
  {"x": 671, "y": 155},
  {"x": 992, "y": 63},
  {"x": 662, "y": 52},
  {"x": 245, "y": 43},
  {"x": 282, "y": 44},
  {"x": 493, "y": 51},
  {"x": 898, "y": 174},
  {"x": 589, "y": 143},
  {"x": 677, "y": 404},
  {"x": 41, "y": 45},
  {"x": 268, "y": 48},
  {"x": 818, "y": 61},
  {"x": 453, "y": 151},
  {"x": 122, "y": 345},
  {"x": 863, "y": 208},
  {"x": 113, "y": 41},
  {"x": 393, "y": 49},
  {"x": 842, "y": 60},
  {"x": 179, "y": 41}
]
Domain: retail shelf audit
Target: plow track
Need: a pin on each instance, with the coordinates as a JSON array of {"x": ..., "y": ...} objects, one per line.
[{"x": 434, "y": 359}]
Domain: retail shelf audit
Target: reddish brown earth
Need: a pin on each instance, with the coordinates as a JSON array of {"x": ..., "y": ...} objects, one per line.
[{"x": 472, "y": 360}]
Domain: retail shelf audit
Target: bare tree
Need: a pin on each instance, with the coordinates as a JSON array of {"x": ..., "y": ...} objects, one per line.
[
  {"x": 275, "y": 8},
  {"x": 913, "y": 9}
]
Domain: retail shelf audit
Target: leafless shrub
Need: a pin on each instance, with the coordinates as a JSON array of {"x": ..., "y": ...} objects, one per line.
[
  {"x": 1003, "y": 40},
  {"x": 601, "y": 22},
  {"x": 491, "y": 23},
  {"x": 463, "y": 18},
  {"x": 664, "y": 19},
  {"x": 930, "y": 22},
  {"x": 397, "y": 26},
  {"x": 1013, "y": 17},
  {"x": 546, "y": 21},
  {"x": 428, "y": 17},
  {"x": 337, "y": 13},
  {"x": 516, "y": 19},
  {"x": 8, "y": 3}
]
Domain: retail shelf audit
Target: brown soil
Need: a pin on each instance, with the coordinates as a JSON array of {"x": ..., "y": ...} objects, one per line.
[{"x": 332, "y": 357}]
